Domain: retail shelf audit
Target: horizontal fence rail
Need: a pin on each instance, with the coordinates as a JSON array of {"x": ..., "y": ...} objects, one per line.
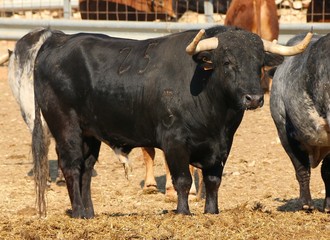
[{"x": 13, "y": 29}]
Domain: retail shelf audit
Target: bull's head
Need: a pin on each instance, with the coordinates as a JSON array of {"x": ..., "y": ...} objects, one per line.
[
  {"x": 198, "y": 45},
  {"x": 250, "y": 100}
]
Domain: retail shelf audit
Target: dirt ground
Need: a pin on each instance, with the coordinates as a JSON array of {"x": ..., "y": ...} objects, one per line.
[{"x": 257, "y": 197}]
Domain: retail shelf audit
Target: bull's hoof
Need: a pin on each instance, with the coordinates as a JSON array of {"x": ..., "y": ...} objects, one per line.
[
  {"x": 326, "y": 205},
  {"x": 49, "y": 182},
  {"x": 30, "y": 173},
  {"x": 150, "y": 189},
  {"x": 79, "y": 214},
  {"x": 308, "y": 208},
  {"x": 183, "y": 212},
  {"x": 60, "y": 182},
  {"x": 94, "y": 173}
]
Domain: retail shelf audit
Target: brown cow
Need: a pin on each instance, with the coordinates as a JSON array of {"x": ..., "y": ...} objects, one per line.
[
  {"x": 257, "y": 16},
  {"x": 128, "y": 10}
]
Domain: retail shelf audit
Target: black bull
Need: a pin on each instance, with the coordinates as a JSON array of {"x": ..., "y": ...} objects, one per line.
[
  {"x": 300, "y": 108},
  {"x": 93, "y": 88}
]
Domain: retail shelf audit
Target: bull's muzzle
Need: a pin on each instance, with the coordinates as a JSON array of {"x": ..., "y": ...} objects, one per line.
[{"x": 253, "y": 101}]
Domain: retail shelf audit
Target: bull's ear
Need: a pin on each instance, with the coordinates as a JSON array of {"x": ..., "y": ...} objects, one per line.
[
  {"x": 204, "y": 60},
  {"x": 270, "y": 72},
  {"x": 273, "y": 60}
]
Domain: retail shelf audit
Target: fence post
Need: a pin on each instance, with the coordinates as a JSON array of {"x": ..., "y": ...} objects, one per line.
[
  {"x": 67, "y": 9},
  {"x": 208, "y": 11}
]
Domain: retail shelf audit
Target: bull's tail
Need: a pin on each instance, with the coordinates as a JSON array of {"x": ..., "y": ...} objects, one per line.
[
  {"x": 40, "y": 143},
  {"x": 21, "y": 67},
  {"x": 20, "y": 71}
]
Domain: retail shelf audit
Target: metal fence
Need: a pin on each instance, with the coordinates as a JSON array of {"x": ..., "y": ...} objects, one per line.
[
  {"x": 17, "y": 17},
  {"x": 155, "y": 10}
]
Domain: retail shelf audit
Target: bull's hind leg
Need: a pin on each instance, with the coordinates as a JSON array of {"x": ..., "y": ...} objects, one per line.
[
  {"x": 300, "y": 161},
  {"x": 325, "y": 172},
  {"x": 91, "y": 149},
  {"x": 70, "y": 155}
]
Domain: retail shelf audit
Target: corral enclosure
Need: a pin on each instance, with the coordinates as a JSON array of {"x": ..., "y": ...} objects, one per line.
[
  {"x": 157, "y": 10},
  {"x": 257, "y": 197}
]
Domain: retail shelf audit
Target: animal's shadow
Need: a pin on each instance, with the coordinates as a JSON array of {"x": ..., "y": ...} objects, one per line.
[
  {"x": 160, "y": 181},
  {"x": 293, "y": 205},
  {"x": 161, "y": 184},
  {"x": 53, "y": 166}
]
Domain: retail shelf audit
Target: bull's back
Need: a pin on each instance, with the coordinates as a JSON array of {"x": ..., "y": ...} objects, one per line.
[{"x": 111, "y": 79}]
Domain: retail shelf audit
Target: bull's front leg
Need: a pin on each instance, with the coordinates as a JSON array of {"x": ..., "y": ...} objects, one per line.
[
  {"x": 325, "y": 172},
  {"x": 177, "y": 159},
  {"x": 212, "y": 179}
]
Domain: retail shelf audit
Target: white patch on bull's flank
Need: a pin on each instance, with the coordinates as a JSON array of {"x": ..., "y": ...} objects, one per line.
[
  {"x": 123, "y": 158},
  {"x": 21, "y": 79},
  {"x": 314, "y": 132}
]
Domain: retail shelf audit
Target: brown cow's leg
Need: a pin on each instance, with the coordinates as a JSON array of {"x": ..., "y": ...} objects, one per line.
[
  {"x": 170, "y": 193},
  {"x": 200, "y": 185},
  {"x": 150, "y": 185}
]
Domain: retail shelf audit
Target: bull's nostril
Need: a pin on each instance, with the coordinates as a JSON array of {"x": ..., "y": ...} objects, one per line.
[
  {"x": 253, "y": 101},
  {"x": 248, "y": 98},
  {"x": 261, "y": 101}
]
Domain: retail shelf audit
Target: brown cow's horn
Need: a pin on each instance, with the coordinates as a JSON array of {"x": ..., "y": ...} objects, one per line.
[
  {"x": 273, "y": 47},
  {"x": 4, "y": 58},
  {"x": 197, "y": 45}
]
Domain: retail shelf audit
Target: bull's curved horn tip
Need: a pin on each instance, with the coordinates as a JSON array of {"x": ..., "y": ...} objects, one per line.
[
  {"x": 190, "y": 49},
  {"x": 306, "y": 40}
]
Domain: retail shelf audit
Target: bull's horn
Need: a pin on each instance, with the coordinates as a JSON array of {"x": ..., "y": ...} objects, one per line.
[
  {"x": 207, "y": 44},
  {"x": 197, "y": 45},
  {"x": 190, "y": 49},
  {"x": 4, "y": 58},
  {"x": 273, "y": 47}
]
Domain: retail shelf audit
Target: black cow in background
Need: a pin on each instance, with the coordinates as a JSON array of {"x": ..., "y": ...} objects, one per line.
[
  {"x": 300, "y": 107},
  {"x": 184, "y": 93}
]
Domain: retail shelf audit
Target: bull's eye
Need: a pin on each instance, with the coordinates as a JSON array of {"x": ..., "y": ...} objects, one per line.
[{"x": 226, "y": 63}]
